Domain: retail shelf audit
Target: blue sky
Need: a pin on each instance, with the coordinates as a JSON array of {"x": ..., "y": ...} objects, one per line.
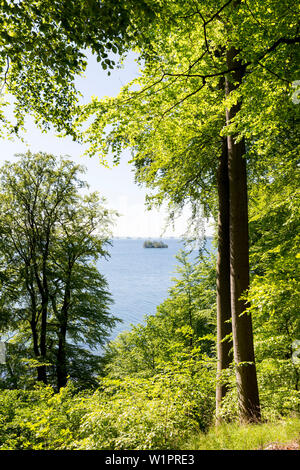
[{"x": 115, "y": 184}]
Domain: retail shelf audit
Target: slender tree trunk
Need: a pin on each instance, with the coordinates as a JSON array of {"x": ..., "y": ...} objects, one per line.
[
  {"x": 44, "y": 292},
  {"x": 13, "y": 376},
  {"x": 248, "y": 398},
  {"x": 42, "y": 372},
  {"x": 61, "y": 369},
  {"x": 224, "y": 346},
  {"x": 62, "y": 375}
]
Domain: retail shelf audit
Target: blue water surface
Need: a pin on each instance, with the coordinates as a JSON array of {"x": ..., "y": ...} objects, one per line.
[{"x": 139, "y": 278}]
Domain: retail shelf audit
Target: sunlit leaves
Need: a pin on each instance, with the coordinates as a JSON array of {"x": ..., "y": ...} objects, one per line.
[
  {"x": 51, "y": 239},
  {"x": 43, "y": 47}
]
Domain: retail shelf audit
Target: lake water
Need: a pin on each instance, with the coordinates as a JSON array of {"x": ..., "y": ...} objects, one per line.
[{"x": 139, "y": 278}]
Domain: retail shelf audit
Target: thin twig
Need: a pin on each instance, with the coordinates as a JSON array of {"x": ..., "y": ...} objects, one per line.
[
  {"x": 205, "y": 76},
  {"x": 252, "y": 14},
  {"x": 274, "y": 46},
  {"x": 5, "y": 75},
  {"x": 273, "y": 73},
  {"x": 182, "y": 100}
]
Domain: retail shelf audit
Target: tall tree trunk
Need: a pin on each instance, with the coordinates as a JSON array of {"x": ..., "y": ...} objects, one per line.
[
  {"x": 44, "y": 292},
  {"x": 224, "y": 346},
  {"x": 42, "y": 372},
  {"x": 61, "y": 369},
  {"x": 248, "y": 398},
  {"x": 63, "y": 320}
]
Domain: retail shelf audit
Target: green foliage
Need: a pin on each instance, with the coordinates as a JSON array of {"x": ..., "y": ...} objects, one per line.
[
  {"x": 44, "y": 46},
  {"x": 151, "y": 413},
  {"x": 163, "y": 412},
  {"x": 146, "y": 401},
  {"x": 55, "y": 301},
  {"x": 251, "y": 437},
  {"x": 173, "y": 115},
  {"x": 159, "y": 386},
  {"x": 129, "y": 414},
  {"x": 184, "y": 321},
  {"x": 274, "y": 291},
  {"x": 38, "y": 419}
]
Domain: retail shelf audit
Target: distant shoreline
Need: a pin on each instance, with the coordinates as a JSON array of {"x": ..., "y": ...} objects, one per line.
[
  {"x": 146, "y": 238},
  {"x": 156, "y": 238}
]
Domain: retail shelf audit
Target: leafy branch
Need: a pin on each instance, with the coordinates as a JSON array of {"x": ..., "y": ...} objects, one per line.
[{"x": 5, "y": 75}]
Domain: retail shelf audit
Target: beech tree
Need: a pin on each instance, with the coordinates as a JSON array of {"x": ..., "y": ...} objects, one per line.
[
  {"x": 173, "y": 114},
  {"x": 80, "y": 299},
  {"x": 224, "y": 329},
  {"x": 53, "y": 298}
]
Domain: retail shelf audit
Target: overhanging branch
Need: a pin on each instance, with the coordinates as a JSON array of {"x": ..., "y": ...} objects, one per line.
[{"x": 5, "y": 75}]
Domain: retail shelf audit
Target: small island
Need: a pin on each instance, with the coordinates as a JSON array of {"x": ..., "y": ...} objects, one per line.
[{"x": 152, "y": 244}]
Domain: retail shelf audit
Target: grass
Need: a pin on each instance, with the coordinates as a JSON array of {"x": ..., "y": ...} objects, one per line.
[{"x": 246, "y": 437}]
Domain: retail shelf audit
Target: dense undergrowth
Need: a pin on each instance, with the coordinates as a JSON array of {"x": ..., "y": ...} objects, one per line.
[
  {"x": 131, "y": 415},
  {"x": 248, "y": 437}
]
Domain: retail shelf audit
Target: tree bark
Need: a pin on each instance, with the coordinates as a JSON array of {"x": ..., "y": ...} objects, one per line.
[
  {"x": 248, "y": 398},
  {"x": 224, "y": 346},
  {"x": 62, "y": 375},
  {"x": 41, "y": 371},
  {"x": 61, "y": 369}
]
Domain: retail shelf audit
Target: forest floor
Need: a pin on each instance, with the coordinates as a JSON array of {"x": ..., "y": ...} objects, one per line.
[
  {"x": 293, "y": 445},
  {"x": 281, "y": 435}
]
